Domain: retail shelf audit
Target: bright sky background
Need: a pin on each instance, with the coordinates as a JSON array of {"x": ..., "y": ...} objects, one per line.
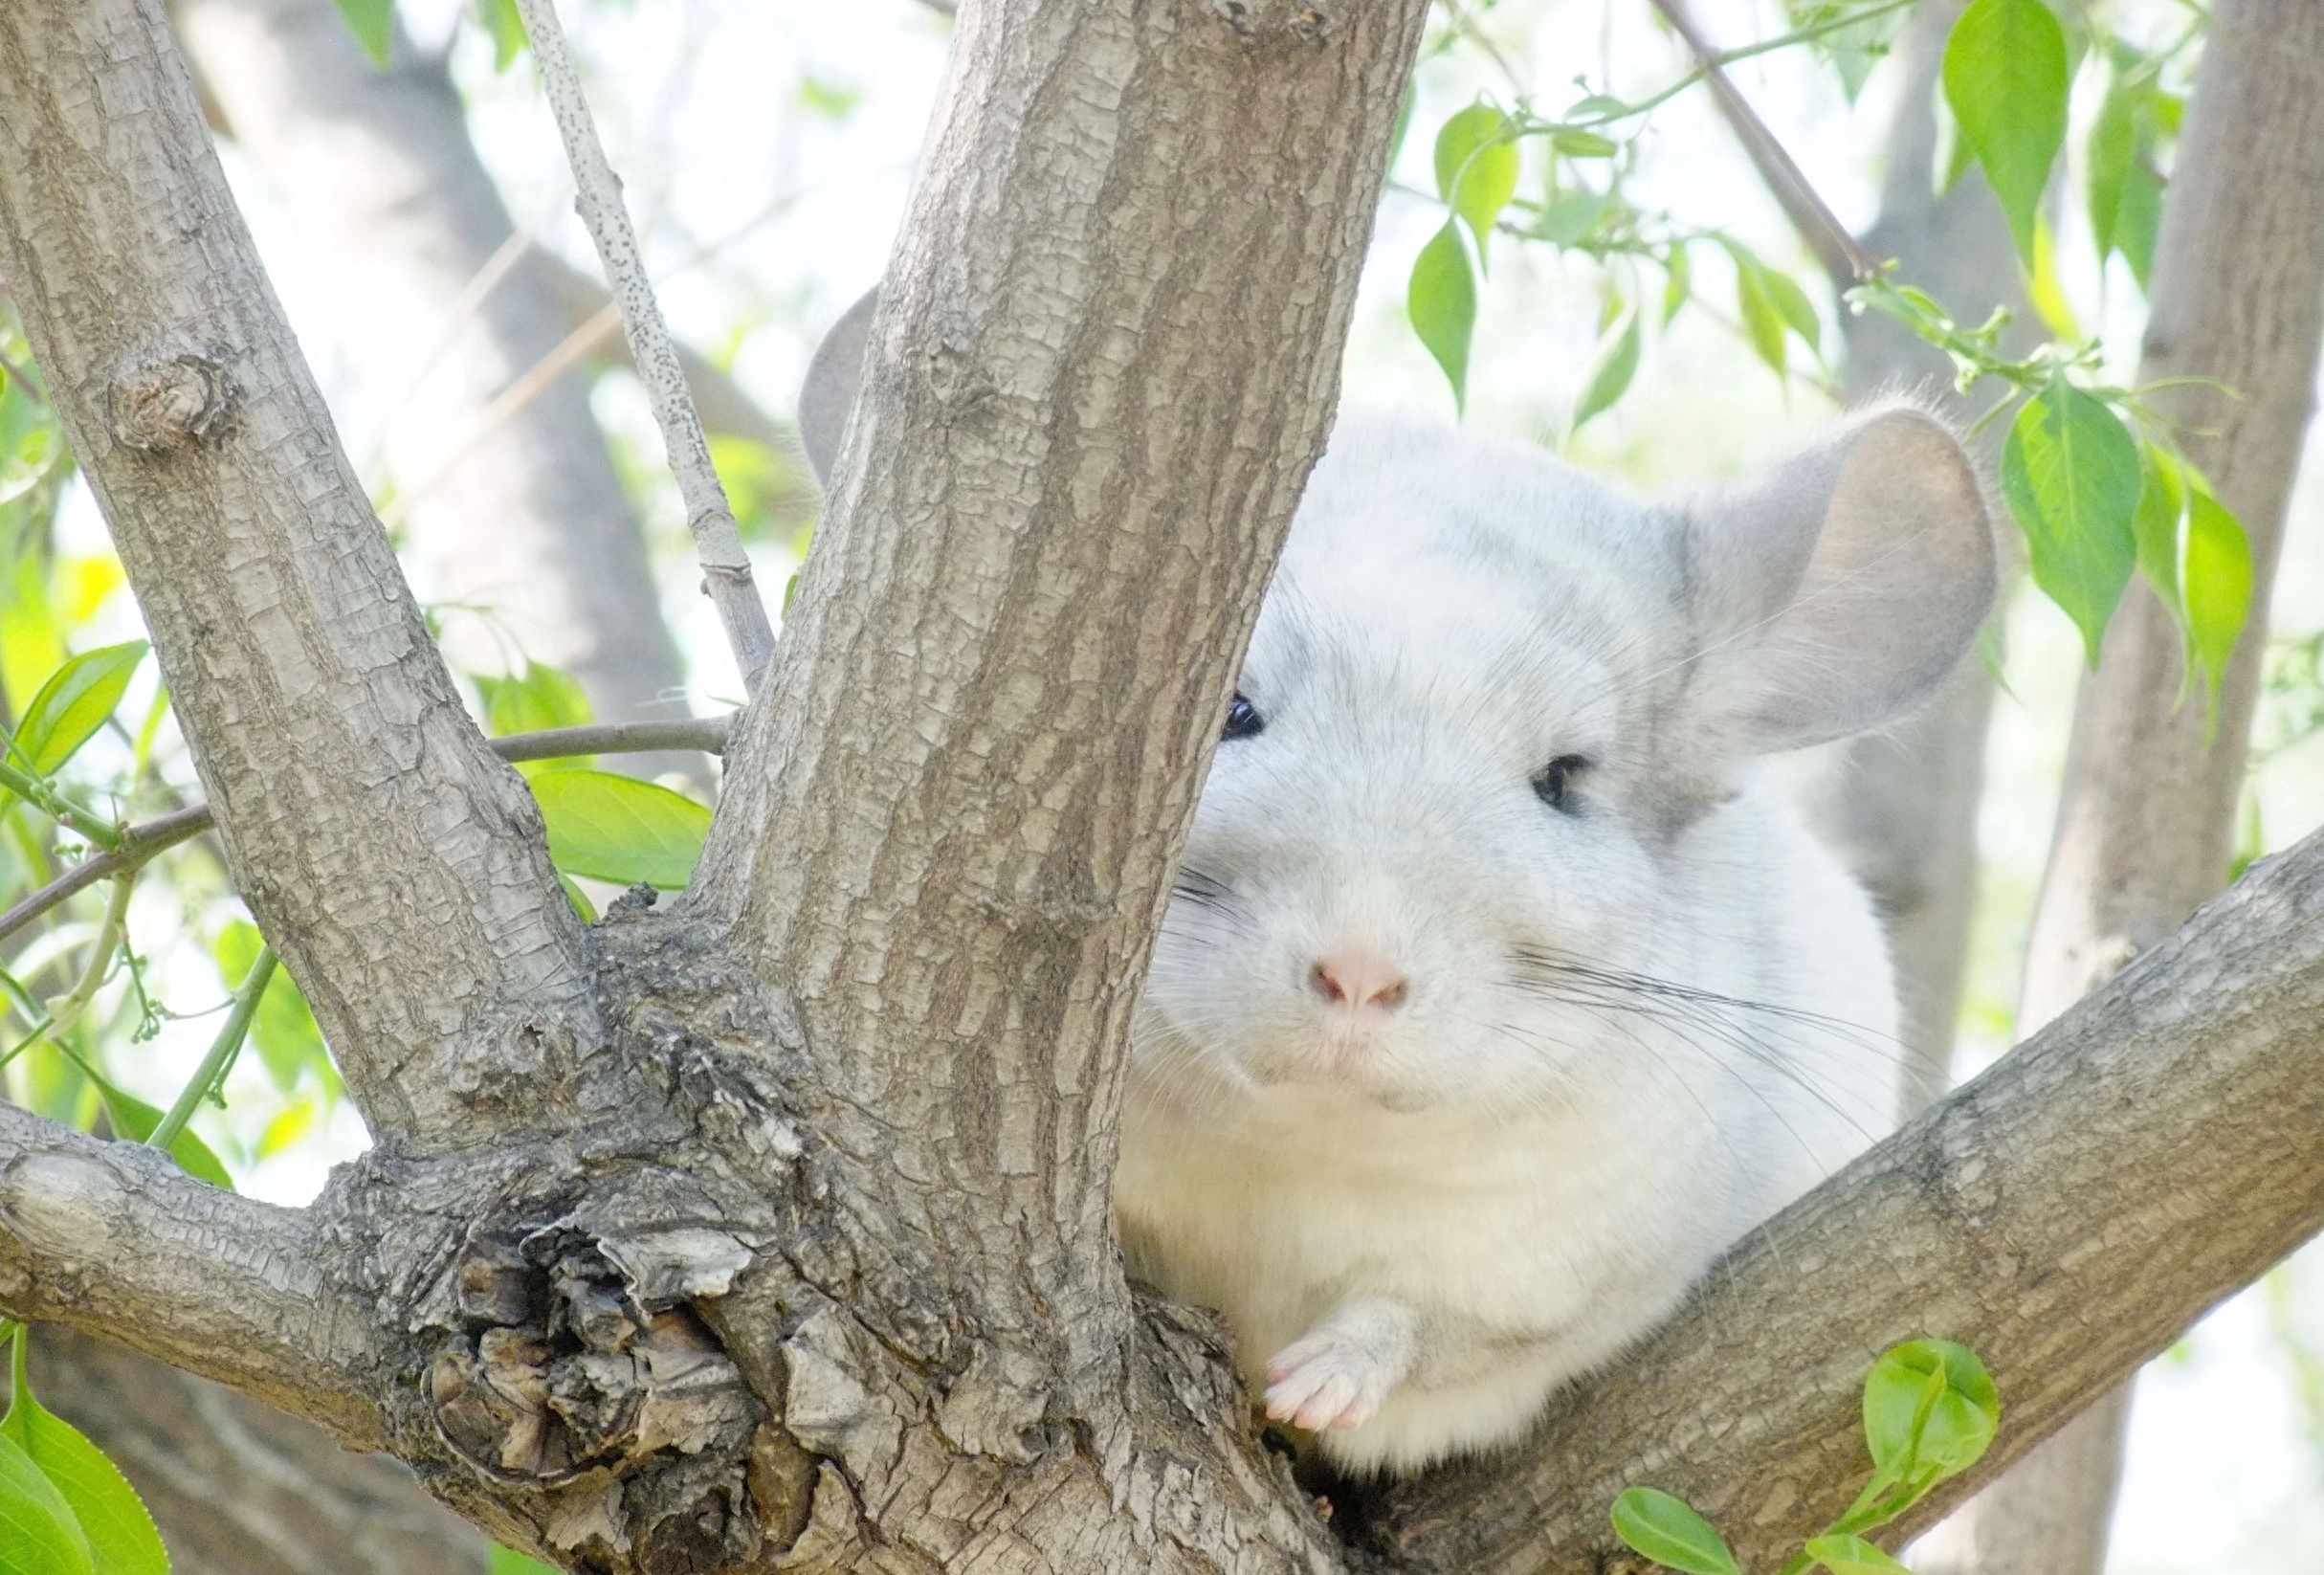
[{"x": 704, "y": 104}]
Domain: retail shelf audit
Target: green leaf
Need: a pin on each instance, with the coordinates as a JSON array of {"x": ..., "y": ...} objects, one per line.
[
  {"x": 1611, "y": 365},
  {"x": 1476, "y": 169},
  {"x": 111, "y": 1518},
  {"x": 1568, "y": 219},
  {"x": 1852, "y": 1556},
  {"x": 1763, "y": 318},
  {"x": 2139, "y": 222},
  {"x": 2113, "y": 154},
  {"x": 1666, "y": 1529},
  {"x": 2071, "y": 475},
  {"x": 535, "y": 700},
  {"x": 580, "y": 898},
  {"x": 1577, "y": 144},
  {"x": 1930, "y": 1412},
  {"x": 74, "y": 703},
  {"x": 1442, "y": 303},
  {"x": 373, "y": 24},
  {"x": 507, "y": 1560},
  {"x": 1791, "y": 302},
  {"x": 504, "y": 25},
  {"x": 134, "y": 1120},
  {"x": 38, "y": 1532},
  {"x": 2155, "y": 526},
  {"x": 2007, "y": 78},
  {"x": 2219, "y": 581},
  {"x": 618, "y": 829},
  {"x": 1679, "y": 268}
]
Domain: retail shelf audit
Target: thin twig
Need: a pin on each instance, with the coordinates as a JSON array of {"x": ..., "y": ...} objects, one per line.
[
  {"x": 1835, "y": 248},
  {"x": 141, "y": 843},
  {"x": 725, "y": 566},
  {"x": 223, "y": 1048}
]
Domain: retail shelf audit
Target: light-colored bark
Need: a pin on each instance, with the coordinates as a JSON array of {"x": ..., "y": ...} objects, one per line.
[
  {"x": 377, "y": 166},
  {"x": 2183, "y": 1092},
  {"x": 1084, "y": 425},
  {"x": 239, "y": 1488},
  {"x": 726, "y": 574},
  {"x": 398, "y": 868},
  {"x": 112, "y": 1239},
  {"x": 2147, "y": 820}
]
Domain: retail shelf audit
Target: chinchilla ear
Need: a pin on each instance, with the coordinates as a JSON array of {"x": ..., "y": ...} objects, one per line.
[
  {"x": 1837, "y": 589},
  {"x": 828, "y": 397}
]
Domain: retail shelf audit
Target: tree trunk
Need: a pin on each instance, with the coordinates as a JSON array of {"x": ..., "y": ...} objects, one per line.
[
  {"x": 2147, "y": 821},
  {"x": 377, "y": 169}
]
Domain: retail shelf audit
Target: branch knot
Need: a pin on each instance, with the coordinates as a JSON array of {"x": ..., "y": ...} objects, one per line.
[{"x": 169, "y": 405}]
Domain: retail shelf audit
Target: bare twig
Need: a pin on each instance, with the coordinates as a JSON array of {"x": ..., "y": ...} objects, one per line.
[
  {"x": 1835, "y": 248},
  {"x": 725, "y": 566},
  {"x": 141, "y": 843}
]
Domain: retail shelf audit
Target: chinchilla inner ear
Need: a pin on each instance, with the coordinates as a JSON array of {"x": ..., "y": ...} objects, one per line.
[
  {"x": 1839, "y": 589},
  {"x": 828, "y": 397}
]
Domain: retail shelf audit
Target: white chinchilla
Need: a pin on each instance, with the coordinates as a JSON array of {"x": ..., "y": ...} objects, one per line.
[{"x": 1502, "y": 990}]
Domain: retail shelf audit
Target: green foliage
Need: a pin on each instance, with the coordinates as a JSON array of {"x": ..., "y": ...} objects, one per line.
[
  {"x": 63, "y": 1505},
  {"x": 1667, "y": 1530},
  {"x": 1476, "y": 169},
  {"x": 74, "y": 705},
  {"x": 507, "y": 1560},
  {"x": 1611, "y": 366},
  {"x": 2007, "y": 78},
  {"x": 2219, "y": 577},
  {"x": 373, "y": 24},
  {"x": 1442, "y": 301},
  {"x": 504, "y": 25},
  {"x": 1930, "y": 1412},
  {"x": 619, "y": 829},
  {"x": 2071, "y": 476},
  {"x": 135, "y": 1120}
]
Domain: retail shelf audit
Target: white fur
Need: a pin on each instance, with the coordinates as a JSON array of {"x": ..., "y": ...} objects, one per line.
[{"x": 1419, "y": 1222}]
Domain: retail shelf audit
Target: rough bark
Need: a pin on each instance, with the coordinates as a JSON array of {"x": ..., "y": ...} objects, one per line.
[
  {"x": 377, "y": 166},
  {"x": 239, "y": 1488},
  {"x": 1066, "y": 482},
  {"x": 398, "y": 867},
  {"x": 1974, "y": 1223},
  {"x": 802, "y": 1260},
  {"x": 2147, "y": 820}
]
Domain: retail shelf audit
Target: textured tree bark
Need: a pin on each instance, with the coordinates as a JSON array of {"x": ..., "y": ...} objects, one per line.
[
  {"x": 239, "y": 1488},
  {"x": 1974, "y": 1223},
  {"x": 377, "y": 166},
  {"x": 795, "y": 1253},
  {"x": 398, "y": 867},
  {"x": 2147, "y": 821}
]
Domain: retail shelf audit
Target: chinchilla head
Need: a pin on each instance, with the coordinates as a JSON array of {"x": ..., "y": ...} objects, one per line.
[
  {"x": 1494, "y": 741},
  {"x": 1488, "y": 761}
]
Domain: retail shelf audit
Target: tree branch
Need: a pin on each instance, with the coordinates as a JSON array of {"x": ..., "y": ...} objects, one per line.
[
  {"x": 143, "y": 842},
  {"x": 2184, "y": 1094},
  {"x": 957, "y": 803},
  {"x": 398, "y": 866},
  {"x": 113, "y": 1239},
  {"x": 726, "y": 575},
  {"x": 1818, "y": 227}
]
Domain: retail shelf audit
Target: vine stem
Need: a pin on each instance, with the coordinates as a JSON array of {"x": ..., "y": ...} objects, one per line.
[
  {"x": 726, "y": 576},
  {"x": 130, "y": 847},
  {"x": 221, "y": 1054}
]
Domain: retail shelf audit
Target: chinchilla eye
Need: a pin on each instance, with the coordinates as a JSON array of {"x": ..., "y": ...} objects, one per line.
[
  {"x": 1243, "y": 721},
  {"x": 1553, "y": 784}
]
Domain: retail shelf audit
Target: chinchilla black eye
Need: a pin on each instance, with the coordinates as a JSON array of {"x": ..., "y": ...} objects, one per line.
[
  {"x": 1553, "y": 784},
  {"x": 1243, "y": 721}
]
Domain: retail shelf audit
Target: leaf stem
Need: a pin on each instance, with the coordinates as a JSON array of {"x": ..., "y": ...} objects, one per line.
[
  {"x": 65, "y": 1013},
  {"x": 221, "y": 1054},
  {"x": 47, "y": 797}
]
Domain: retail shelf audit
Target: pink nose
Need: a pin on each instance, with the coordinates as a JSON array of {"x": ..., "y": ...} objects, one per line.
[{"x": 1357, "y": 977}]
